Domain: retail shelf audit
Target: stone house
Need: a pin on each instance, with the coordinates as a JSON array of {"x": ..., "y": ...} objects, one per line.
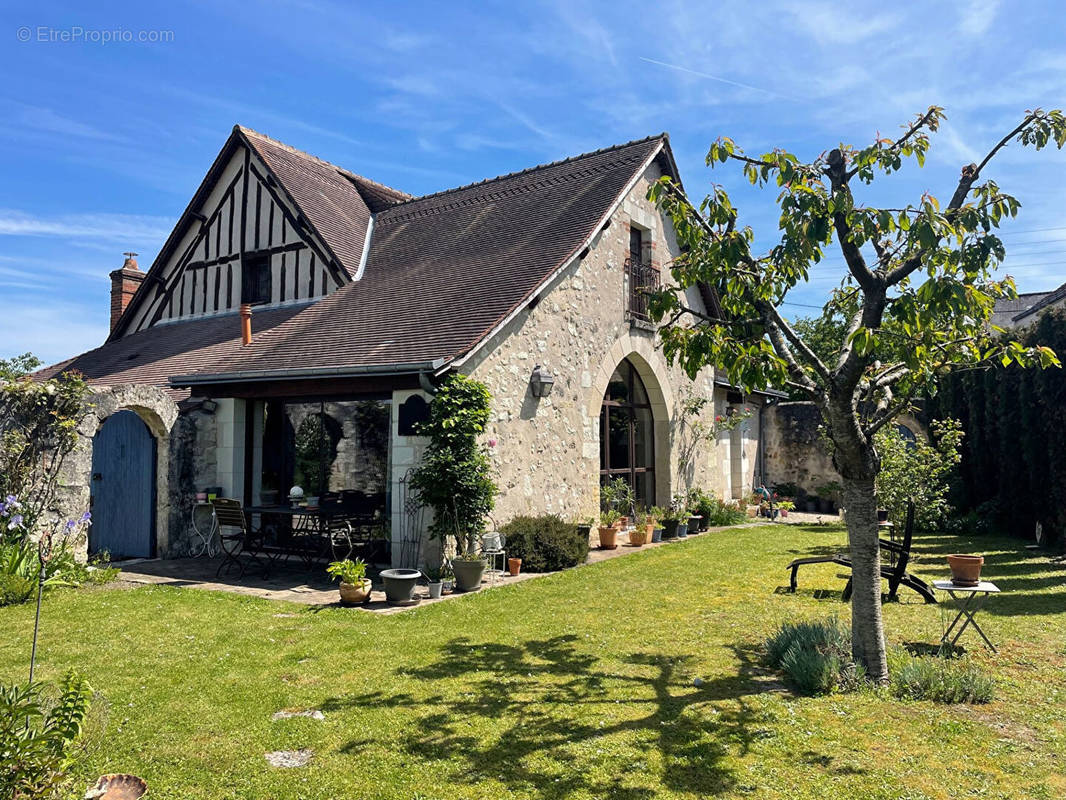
[{"x": 293, "y": 326}]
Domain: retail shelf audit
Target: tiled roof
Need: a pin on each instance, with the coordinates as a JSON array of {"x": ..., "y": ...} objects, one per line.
[
  {"x": 443, "y": 270},
  {"x": 1008, "y": 308},
  {"x": 152, "y": 356},
  {"x": 1048, "y": 299},
  {"x": 338, "y": 204}
]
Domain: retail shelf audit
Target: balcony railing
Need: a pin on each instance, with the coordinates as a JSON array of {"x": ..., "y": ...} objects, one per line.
[{"x": 641, "y": 280}]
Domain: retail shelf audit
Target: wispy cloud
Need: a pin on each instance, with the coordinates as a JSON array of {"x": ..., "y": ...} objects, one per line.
[
  {"x": 128, "y": 228},
  {"x": 977, "y": 16}
]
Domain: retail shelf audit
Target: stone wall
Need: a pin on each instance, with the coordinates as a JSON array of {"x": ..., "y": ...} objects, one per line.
[
  {"x": 793, "y": 450},
  {"x": 548, "y": 450}
]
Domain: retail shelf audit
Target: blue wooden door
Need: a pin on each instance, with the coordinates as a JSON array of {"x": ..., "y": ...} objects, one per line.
[{"x": 123, "y": 488}]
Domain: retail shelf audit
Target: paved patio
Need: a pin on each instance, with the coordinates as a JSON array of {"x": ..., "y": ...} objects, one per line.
[{"x": 295, "y": 583}]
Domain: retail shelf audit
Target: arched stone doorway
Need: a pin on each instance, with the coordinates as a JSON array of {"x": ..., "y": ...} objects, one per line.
[{"x": 628, "y": 434}]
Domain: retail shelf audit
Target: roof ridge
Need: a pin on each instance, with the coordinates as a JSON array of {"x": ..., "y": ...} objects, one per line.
[
  {"x": 664, "y": 135},
  {"x": 304, "y": 154}
]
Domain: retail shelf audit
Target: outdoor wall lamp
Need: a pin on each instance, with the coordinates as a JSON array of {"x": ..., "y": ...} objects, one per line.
[{"x": 541, "y": 382}]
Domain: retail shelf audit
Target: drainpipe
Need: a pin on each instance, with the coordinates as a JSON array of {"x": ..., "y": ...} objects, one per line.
[{"x": 246, "y": 324}]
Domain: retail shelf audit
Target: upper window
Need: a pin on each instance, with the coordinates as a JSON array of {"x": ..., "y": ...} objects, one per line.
[
  {"x": 255, "y": 280},
  {"x": 636, "y": 245}
]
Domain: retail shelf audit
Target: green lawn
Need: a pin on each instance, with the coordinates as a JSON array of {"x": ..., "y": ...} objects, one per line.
[{"x": 574, "y": 685}]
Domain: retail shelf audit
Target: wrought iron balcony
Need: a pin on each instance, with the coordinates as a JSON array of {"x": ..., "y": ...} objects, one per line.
[{"x": 641, "y": 280}]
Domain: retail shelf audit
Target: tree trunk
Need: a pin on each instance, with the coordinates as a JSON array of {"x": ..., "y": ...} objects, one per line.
[
  {"x": 867, "y": 630},
  {"x": 856, "y": 460}
]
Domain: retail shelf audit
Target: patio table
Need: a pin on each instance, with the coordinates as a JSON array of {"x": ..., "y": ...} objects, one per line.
[
  {"x": 969, "y": 600},
  {"x": 209, "y": 543},
  {"x": 309, "y": 532}
]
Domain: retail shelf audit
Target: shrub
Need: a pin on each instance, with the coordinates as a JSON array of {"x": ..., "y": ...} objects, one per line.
[
  {"x": 35, "y": 747},
  {"x": 815, "y": 656},
  {"x": 545, "y": 543},
  {"x": 15, "y": 589},
  {"x": 919, "y": 472},
  {"x": 942, "y": 680},
  {"x": 715, "y": 511}
]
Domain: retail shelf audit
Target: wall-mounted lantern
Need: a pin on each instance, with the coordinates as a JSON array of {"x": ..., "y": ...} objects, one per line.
[{"x": 541, "y": 382}]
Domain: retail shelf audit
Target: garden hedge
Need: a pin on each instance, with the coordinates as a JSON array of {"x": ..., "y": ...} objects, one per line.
[{"x": 1013, "y": 470}]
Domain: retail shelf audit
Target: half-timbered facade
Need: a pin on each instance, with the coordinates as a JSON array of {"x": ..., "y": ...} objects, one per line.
[{"x": 299, "y": 315}]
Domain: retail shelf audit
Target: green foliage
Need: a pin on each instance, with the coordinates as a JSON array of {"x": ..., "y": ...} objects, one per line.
[
  {"x": 918, "y": 471},
  {"x": 609, "y": 516},
  {"x": 617, "y": 495},
  {"x": 16, "y": 367},
  {"x": 455, "y": 475},
  {"x": 942, "y": 680},
  {"x": 714, "y": 510},
  {"x": 347, "y": 571},
  {"x": 15, "y": 589},
  {"x": 38, "y": 427},
  {"x": 935, "y": 263},
  {"x": 815, "y": 656},
  {"x": 35, "y": 745},
  {"x": 545, "y": 543}
]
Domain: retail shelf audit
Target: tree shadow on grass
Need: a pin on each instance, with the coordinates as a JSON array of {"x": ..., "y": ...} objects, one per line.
[{"x": 522, "y": 717}]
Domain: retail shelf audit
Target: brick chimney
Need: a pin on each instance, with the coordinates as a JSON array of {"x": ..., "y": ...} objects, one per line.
[{"x": 124, "y": 284}]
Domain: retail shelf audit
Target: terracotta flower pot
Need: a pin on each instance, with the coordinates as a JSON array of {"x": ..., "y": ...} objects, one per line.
[
  {"x": 965, "y": 569},
  {"x": 514, "y": 566},
  {"x": 352, "y": 594},
  {"x": 608, "y": 538},
  {"x": 638, "y": 537}
]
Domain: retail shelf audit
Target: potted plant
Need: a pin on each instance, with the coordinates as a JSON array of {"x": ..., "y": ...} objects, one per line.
[
  {"x": 641, "y": 532},
  {"x": 785, "y": 506},
  {"x": 617, "y": 495},
  {"x": 584, "y": 526},
  {"x": 354, "y": 585},
  {"x": 608, "y": 529},
  {"x": 655, "y": 518},
  {"x": 400, "y": 586},
  {"x": 434, "y": 581},
  {"x": 514, "y": 566},
  {"x": 965, "y": 569},
  {"x": 671, "y": 520},
  {"x": 469, "y": 569}
]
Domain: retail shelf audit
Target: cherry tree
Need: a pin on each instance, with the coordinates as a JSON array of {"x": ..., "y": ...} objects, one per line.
[{"x": 918, "y": 292}]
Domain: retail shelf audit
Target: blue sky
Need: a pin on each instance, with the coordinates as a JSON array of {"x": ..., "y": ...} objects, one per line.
[{"x": 103, "y": 143}]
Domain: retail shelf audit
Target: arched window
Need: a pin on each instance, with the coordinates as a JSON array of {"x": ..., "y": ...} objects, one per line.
[{"x": 627, "y": 436}]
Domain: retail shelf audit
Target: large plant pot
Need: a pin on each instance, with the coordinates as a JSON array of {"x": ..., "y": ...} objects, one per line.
[
  {"x": 400, "y": 586},
  {"x": 965, "y": 570},
  {"x": 657, "y": 535},
  {"x": 882, "y": 515},
  {"x": 468, "y": 574},
  {"x": 695, "y": 524},
  {"x": 352, "y": 594},
  {"x": 682, "y": 530},
  {"x": 670, "y": 527},
  {"x": 608, "y": 538},
  {"x": 514, "y": 566},
  {"x": 638, "y": 537},
  {"x": 584, "y": 530},
  {"x": 435, "y": 589}
]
